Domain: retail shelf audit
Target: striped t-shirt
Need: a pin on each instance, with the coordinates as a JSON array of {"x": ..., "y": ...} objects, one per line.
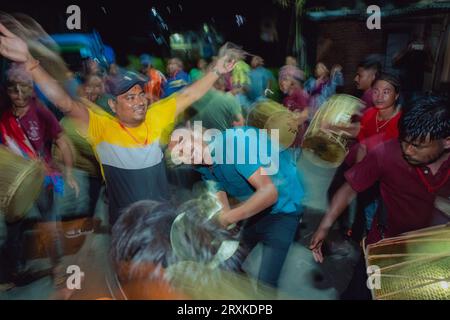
[{"x": 131, "y": 158}]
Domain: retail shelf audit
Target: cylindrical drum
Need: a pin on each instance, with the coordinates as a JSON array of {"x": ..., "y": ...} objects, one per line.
[
  {"x": 412, "y": 266},
  {"x": 21, "y": 181},
  {"x": 268, "y": 114},
  {"x": 330, "y": 146}
]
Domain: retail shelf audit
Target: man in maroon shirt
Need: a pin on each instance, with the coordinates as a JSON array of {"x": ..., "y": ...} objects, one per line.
[
  {"x": 413, "y": 173},
  {"x": 29, "y": 130}
]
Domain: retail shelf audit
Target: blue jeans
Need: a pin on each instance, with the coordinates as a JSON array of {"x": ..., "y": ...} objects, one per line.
[{"x": 276, "y": 233}]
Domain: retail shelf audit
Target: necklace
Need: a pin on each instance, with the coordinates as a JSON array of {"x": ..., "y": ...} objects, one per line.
[
  {"x": 133, "y": 137},
  {"x": 431, "y": 188},
  {"x": 379, "y": 127}
]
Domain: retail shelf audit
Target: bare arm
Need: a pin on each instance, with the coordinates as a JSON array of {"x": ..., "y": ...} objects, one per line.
[
  {"x": 265, "y": 195},
  {"x": 67, "y": 157},
  {"x": 223, "y": 198},
  {"x": 15, "y": 49},
  {"x": 195, "y": 91},
  {"x": 340, "y": 201}
]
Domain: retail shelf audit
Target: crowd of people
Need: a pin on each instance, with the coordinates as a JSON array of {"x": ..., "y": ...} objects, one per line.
[{"x": 134, "y": 133}]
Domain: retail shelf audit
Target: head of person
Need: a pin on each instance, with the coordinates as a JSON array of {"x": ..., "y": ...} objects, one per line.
[
  {"x": 19, "y": 85},
  {"x": 289, "y": 78},
  {"x": 187, "y": 146},
  {"x": 129, "y": 101},
  {"x": 91, "y": 66},
  {"x": 321, "y": 70},
  {"x": 151, "y": 236},
  {"x": 202, "y": 64},
  {"x": 291, "y": 61},
  {"x": 145, "y": 60},
  {"x": 174, "y": 65},
  {"x": 424, "y": 130},
  {"x": 385, "y": 91},
  {"x": 368, "y": 70},
  {"x": 256, "y": 62},
  {"x": 93, "y": 87}
]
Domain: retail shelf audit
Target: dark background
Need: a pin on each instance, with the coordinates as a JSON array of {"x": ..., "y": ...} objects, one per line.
[{"x": 127, "y": 25}]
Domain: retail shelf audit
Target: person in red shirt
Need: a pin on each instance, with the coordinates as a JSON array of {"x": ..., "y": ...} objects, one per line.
[
  {"x": 380, "y": 122},
  {"x": 413, "y": 172}
]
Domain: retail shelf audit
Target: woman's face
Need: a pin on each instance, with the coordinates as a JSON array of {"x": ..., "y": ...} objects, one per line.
[
  {"x": 321, "y": 70},
  {"x": 383, "y": 94}
]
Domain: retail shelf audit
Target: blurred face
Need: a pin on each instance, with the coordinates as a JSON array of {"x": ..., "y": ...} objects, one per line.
[
  {"x": 320, "y": 70},
  {"x": 201, "y": 64},
  {"x": 173, "y": 66},
  {"x": 20, "y": 93},
  {"x": 186, "y": 147},
  {"x": 291, "y": 61},
  {"x": 364, "y": 78},
  {"x": 384, "y": 95},
  {"x": 426, "y": 152},
  {"x": 256, "y": 62},
  {"x": 130, "y": 107},
  {"x": 285, "y": 84},
  {"x": 94, "y": 88}
]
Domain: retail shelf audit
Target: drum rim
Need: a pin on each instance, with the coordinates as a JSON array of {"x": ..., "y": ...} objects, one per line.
[{"x": 36, "y": 166}]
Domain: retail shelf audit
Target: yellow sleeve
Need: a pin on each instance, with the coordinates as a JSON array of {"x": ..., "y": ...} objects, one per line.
[
  {"x": 98, "y": 123},
  {"x": 161, "y": 118}
]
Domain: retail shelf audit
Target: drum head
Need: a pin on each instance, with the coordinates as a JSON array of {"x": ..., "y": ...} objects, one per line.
[
  {"x": 324, "y": 151},
  {"x": 27, "y": 188}
]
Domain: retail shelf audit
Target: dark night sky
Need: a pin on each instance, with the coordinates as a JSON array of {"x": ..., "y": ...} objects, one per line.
[{"x": 127, "y": 26}]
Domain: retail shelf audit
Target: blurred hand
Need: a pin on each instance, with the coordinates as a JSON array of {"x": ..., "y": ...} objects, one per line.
[
  {"x": 316, "y": 244},
  {"x": 12, "y": 47},
  {"x": 73, "y": 184},
  {"x": 336, "y": 68},
  {"x": 225, "y": 64}
]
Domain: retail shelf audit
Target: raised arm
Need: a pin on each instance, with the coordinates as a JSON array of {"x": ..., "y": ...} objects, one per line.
[
  {"x": 14, "y": 48},
  {"x": 195, "y": 91}
]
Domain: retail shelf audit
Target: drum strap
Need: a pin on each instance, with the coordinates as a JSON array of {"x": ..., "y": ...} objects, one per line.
[{"x": 14, "y": 137}]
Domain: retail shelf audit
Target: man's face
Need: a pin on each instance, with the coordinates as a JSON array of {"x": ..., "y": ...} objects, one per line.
[
  {"x": 383, "y": 94},
  {"x": 285, "y": 85},
  {"x": 173, "y": 67},
  {"x": 186, "y": 147},
  {"x": 94, "y": 88},
  {"x": 130, "y": 107},
  {"x": 20, "y": 93},
  {"x": 426, "y": 152},
  {"x": 364, "y": 78}
]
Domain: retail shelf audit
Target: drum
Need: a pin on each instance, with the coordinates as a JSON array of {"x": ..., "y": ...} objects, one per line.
[
  {"x": 414, "y": 265},
  {"x": 330, "y": 147},
  {"x": 269, "y": 115},
  {"x": 21, "y": 181}
]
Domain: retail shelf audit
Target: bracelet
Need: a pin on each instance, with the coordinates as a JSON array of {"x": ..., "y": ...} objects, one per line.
[{"x": 35, "y": 65}]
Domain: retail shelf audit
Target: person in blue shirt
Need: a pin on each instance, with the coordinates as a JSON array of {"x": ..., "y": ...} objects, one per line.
[
  {"x": 246, "y": 164},
  {"x": 177, "y": 79},
  {"x": 261, "y": 79}
]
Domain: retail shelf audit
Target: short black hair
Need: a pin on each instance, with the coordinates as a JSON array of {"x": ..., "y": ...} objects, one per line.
[
  {"x": 426, "y": 116},
  {"x": 389, "y": 77},
  {"x": 371, "y": 64},
  {"x": 142, "y": 236}
]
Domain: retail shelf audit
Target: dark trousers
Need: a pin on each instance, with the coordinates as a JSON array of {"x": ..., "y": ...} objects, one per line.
[
  {"x": 12, "y": 255},
  {"x": 276, "y": 233},
  {"x": 357, "y": 288}
]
